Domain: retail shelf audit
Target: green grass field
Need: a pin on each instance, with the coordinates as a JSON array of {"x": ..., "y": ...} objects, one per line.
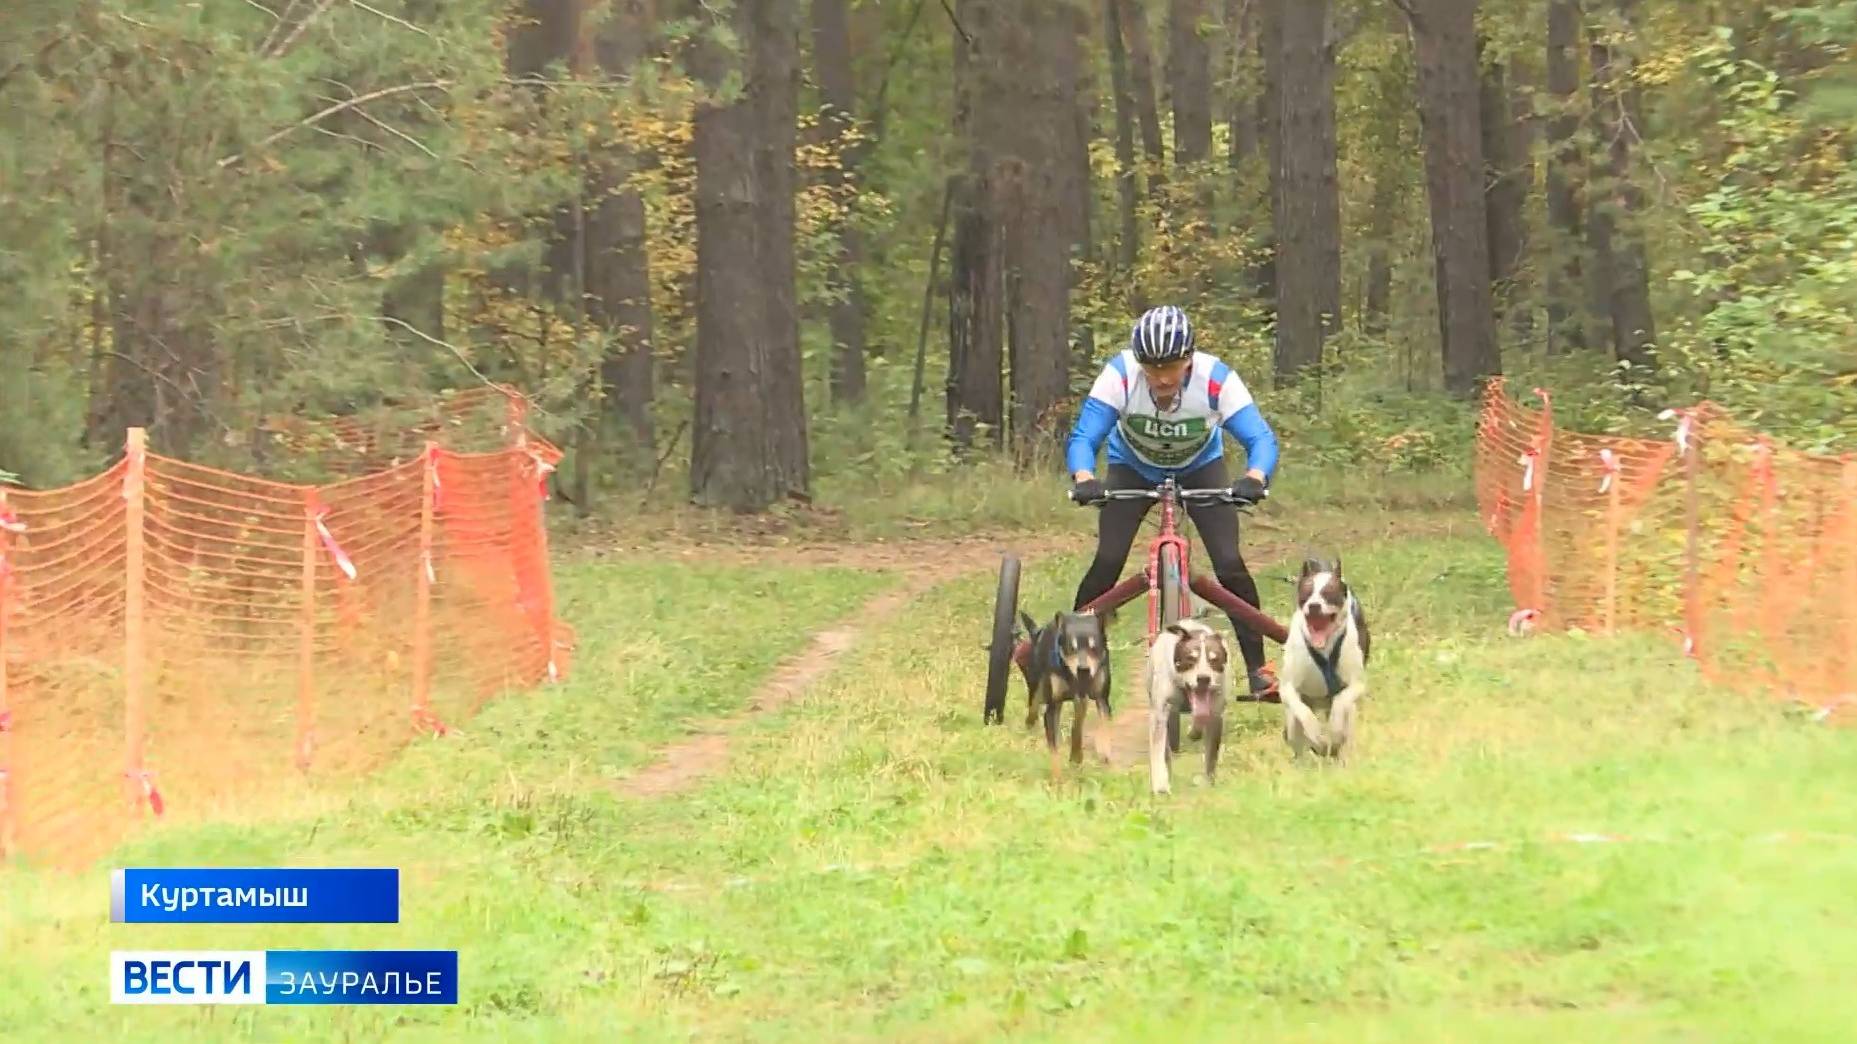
[{"x": 874, "y": 863}]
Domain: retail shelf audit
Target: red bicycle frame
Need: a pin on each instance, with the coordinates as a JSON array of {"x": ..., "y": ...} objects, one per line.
[
  {"x": 1149, "y": 580},
  {"x": 1169, "y": 536}
]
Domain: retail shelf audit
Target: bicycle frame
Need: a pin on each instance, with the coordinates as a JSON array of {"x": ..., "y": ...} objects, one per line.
[
  {"x": 1149, "y": 580},
  {"x": 1169, "y": 536}
]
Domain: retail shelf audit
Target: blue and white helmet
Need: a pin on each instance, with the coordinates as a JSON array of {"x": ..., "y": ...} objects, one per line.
[{"x": 1162, "y": 334}]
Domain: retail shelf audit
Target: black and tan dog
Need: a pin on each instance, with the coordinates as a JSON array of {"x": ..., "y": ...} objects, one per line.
[{"x": 1069, "y": 664}]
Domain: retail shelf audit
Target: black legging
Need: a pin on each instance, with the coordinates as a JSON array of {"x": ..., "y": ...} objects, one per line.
[{"x": 1120, "y": 520}]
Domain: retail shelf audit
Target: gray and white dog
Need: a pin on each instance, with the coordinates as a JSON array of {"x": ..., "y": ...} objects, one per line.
[
  {"x": 1188, "y": 669},
  {"x": 1324, "y": 662}
]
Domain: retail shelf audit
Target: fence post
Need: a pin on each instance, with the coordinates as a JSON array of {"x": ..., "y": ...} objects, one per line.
[
  {"x": 6, "y": 741},
  {"x": 1614, "y": 480},
  {"x": 1692, "y": 551},
  {"x": 135, "y": 648},
  {"x": 539, "y": 584},
  {"x": 422, "y": 607},
  {"x": 1850, "y": 576},
  {"x": 306, "y": 638},
  {"x": 1545, "y": 440}
]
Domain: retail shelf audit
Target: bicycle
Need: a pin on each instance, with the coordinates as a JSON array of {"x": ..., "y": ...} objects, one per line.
[{"x": 1166, "y": 579}]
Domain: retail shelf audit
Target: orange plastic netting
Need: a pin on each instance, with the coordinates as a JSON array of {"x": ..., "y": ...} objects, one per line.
[
  {"x": 174, "y": 638},
  {"x": 1740, "y": 548}
]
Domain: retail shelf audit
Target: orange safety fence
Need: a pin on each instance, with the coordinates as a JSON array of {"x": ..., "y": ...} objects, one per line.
[
  {"x": 175, "y": 638},
  {"x": 1739, "y": 548}
]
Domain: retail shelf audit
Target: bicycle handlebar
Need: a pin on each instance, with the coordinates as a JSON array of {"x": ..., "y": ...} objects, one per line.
[{"x": 1212, "y": 495}]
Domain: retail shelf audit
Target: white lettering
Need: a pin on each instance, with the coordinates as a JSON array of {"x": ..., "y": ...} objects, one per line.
[
  {"x": 186, "y": 976},
  {"x": 435, "y": 982},
  {"x": 267, "y": 897},
  {"x": 246, "y": 896},
  {"x": 151, "y": 895},
  {"x": 390, "y": 982},
  {"x": 296, "y": 897}
]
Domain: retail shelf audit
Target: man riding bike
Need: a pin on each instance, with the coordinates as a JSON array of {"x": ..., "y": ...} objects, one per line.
[{"x": 1164, "y": 407}]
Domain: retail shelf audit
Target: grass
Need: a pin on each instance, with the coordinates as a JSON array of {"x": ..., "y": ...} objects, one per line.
[
  {"x": 875, "y": 864},
  {"x": 658, "y": 649}
]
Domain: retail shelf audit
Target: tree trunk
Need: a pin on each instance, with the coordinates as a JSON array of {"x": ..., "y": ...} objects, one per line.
[
  {"x": 1081, "y": 178},
  {"x": 618, "y": 261},
  {"x": 748, "y": 442},
  {"x": 776, "y": 55},
  {"x": 619, "y": 303},
  {"x": 1129, "y": 244},
  {"x": 1566, "y": 321},
  {"x": 1241, "y": 94},
  {"x": 1445, "y": 50},
  {"x": 831, "y": 52},
  {"x": 1042, "y": 58},
  {"x": 1189, "y": 74},
  {"x": 1308, "y": 200},
  {"x": 1504, "y": 190},
  {"x": 1382, "y": 204},
  {"x": 1622, "y": 293},
  {"x": 165, "y": 367},
  {"x": 976, "y": 314},
  {"x": 1269, "y": 49},
  {"x": 546, "y": 32},
  {"x": 1141, "y": 67},
  {"x": 1388, "y": 142},
  {"x": 976, "y": 302}
]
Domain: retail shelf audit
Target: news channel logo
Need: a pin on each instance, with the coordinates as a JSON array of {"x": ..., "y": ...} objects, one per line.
[
  {"x": 258, "y": 895},
  {"x": 284, "y": 977}
]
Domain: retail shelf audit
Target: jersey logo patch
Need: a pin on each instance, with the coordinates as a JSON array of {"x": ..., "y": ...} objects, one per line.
[{"x": 1166, "y": 443}]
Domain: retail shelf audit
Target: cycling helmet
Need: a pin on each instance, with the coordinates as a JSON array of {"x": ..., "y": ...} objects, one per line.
[{"x": 1162, "y": 334}]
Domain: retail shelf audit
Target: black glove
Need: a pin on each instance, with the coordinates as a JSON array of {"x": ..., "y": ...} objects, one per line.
[
  {"x": 1086, "y": 491},
  {"x": 1248, "y": 489}
]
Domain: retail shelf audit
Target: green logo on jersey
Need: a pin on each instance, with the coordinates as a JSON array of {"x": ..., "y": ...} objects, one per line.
[{"x": 1166, "y": 443}]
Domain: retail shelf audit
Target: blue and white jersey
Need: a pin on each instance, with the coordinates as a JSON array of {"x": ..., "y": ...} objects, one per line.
[{"x": 1157, "y": 443}]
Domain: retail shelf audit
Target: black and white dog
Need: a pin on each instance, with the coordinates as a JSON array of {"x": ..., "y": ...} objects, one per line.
[
  {"x": 1324, "y": 662},
  {"x": 1187, "y": 669},
  {"x": 1069, "y": 664}
]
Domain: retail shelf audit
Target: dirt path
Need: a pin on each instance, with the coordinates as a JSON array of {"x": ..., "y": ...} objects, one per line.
[
  {"x": 683, "y": 765},
  {"x": 924, "y": 564}
]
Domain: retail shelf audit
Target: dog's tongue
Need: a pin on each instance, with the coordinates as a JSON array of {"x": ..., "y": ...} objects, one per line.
[{"x": 1202, "y": 709}]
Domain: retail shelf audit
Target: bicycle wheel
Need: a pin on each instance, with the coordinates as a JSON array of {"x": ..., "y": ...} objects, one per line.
[
  {"x": 999, "y": 653},
  {"x": 1173, "y": 607}
]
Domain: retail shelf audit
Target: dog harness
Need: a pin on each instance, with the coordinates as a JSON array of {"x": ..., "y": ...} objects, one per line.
[{"x": 1331, "y": 675}]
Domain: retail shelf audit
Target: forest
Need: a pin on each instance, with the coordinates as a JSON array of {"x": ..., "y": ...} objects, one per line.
[{"x": 754, "y": 243}]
